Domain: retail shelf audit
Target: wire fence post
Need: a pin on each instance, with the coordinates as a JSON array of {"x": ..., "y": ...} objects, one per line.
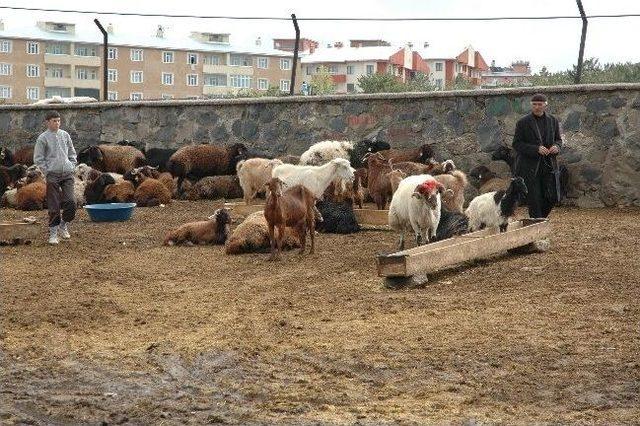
[
  {"x": 582, "y": 40},
  {"x": 105, "y": 59},
  {"x": 295, "y": 54}
]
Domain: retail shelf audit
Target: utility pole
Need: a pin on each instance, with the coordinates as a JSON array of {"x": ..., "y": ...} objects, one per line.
[
  {"x": 582, "y": 40},
  {"x": 295, "y": 54},
  {"x": 105, "y": 60}
]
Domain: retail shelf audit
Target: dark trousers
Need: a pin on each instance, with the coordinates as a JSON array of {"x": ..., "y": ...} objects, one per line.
[
  {"x": 60, "y": 196},
  {"x": 539, "y": 206}
]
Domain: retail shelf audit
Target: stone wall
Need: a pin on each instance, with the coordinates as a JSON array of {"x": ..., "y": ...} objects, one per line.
[{"x": 601, "y": 127}]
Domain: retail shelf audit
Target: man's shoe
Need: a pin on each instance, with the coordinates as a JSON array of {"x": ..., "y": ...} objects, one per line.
[
  {"x": 64, "y": 231},
  {"x": 53, "y": 235}
]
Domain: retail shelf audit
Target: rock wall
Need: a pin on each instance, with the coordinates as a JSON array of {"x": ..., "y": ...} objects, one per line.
[{"x": 601, "y": 127}]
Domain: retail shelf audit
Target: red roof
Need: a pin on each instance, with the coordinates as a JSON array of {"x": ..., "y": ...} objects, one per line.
[
  {"x": 419, "y": 64},
  {"x": 480, "y": 63}
]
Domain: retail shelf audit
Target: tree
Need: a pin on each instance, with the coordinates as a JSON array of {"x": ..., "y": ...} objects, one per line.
[
  {"x": 322, "y": 82},
  {"x": 380, "y": 83},
  {"x": 420, "y": 83},
  {"x": 460, "y": 83}
]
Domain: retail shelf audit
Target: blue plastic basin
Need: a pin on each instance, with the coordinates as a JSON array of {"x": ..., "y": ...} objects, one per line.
[{"x": 110, "y": 212}]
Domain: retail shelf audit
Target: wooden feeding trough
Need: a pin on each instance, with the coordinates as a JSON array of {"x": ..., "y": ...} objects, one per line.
[
  {"x": 440, "y": 255},
  {"x": 242, "y": 209},
  {"x": 16, "y": 233}
]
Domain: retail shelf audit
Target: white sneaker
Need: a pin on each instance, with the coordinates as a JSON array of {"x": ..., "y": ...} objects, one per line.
[
  {"x": 53, "y": 235},
  {"x": 64, "y": 231}
]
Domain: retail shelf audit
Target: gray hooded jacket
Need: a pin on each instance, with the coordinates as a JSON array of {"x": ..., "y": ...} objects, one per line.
[{"x": 54, "y": 153}]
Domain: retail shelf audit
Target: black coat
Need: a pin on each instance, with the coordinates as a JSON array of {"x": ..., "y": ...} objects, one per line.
[{"x": 526, "y": 142}]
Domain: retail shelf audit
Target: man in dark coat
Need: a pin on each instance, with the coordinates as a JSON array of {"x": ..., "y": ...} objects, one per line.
[{"x": 537, "y": 143}]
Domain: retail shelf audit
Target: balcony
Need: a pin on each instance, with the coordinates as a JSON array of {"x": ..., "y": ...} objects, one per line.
[
  {"x": 227, "y": 69},
  {"x": 217, "y": 90},
  {"x": 88, "y": 61},
  {"x": 86, "y": 84},
  {"x": 58, "y": 81}
]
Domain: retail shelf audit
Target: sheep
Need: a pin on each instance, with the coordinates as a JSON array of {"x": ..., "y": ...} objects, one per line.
[
  {"x": 451, "y": 224},
  {"x": 395, "y": 177},
  {"x": 253, "y": 174},
  {"x": 140, "y": 146},
  {"x": 456, "y": 181},
  {"x": 495, "y": 208},
  {"x": 322, "y": 152},
  {"x": 159, "y": 157},
  {"x": 198, "y": 161},
  {"x": 6, "y": 157},
  {"x": 416, "y": 206},
  {"x": 422, "y": 154},
  {"x": 32, "y": 196},
  {"x": 24, "y": 156},
  {"x": 315, "y": 178},
  {"x": 214, "y": 230},
  {"x": 94, "y": 188},
  {"x": 78, "y": 191},
  {"x": 10, "y": 175},
  {"x": 213, "y": 187},
  {"x": 294, "y": 208},
  {"x": 150, "y": 192},
  {"x": 9, "y": 198},
  {"x": 112, "y": 158},
  {"x": 119, "y": 192},
  {"x": 83, "y": 171},
  {"x": 487, "y": 181},
  {"x": 337, "y": 217},
  {"x": 165, "y": 178},
  {"x": 252, "y": 235}
]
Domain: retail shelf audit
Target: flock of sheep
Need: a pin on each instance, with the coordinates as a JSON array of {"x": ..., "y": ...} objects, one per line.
[{"x": 317, "y": 190}]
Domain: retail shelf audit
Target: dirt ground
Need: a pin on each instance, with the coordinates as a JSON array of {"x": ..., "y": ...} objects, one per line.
[{"x": 112, "y": 327}]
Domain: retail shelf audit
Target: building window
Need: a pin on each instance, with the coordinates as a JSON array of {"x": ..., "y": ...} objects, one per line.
[
  {"x": 167, "y": 57},
  {"x": 137, "y": 55},
  {"x": 33, "y": 71},
  {"x": 192, "y": 58},
  {"x": 240, "y": 61},
  {"x": 240, "y": 81},
  {"x": 263, "y": 84},
  {"x": 166, "y": 96},
  {"x": 369, "y": 69},
  {"x": 112, "y": 75},
  {"x": 5, "y": 69},
  {"x": 86, "y": 73},
  {"x": 50, "y": 92},
  {"x": 212, "y": 60},
  {"x": 192, "y": 79},
  {"x": 309, "y": 70},
  {"x": 112, "y": 54},
  {"x": 167, "y": 78},
  {"x": 439, "y": 83},
  {"x": 349, "y": 69},
  {"x": 56, "y": 49},
  {"x": 5, "y": 46},
  {"x": 55, "y": 72},
  {"x": 332, "y": 69},
  {"x": 263, "y": 63},
  {"x": 439, "y": 66},
  {"x": 217, "y": 80},
  {"x": 285, "y": 64},
  {"x": 5, "y": 92},
  {"x": 112, "y": 96},
  {"x": 33, "y": 47},
  {"x": 136, "y": 96},
  {"x": 351, "y": 88},
  {"x": 284, "y": 85},
  {"x": 33, "y": 93},
  {"x": 84, "y": 50},
  {"x": 136, "y": 76}
]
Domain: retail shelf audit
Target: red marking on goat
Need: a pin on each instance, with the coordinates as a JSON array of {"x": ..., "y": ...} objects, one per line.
[{"x": 428, "y": 187}]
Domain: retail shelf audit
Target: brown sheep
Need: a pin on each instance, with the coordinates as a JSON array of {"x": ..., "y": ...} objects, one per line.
[
  {"x": 170, "y": 182},
  {"x": 215, "y": 230},
  {"x": 24, "y": 156},
  {"x": 198, "y": 161},
  {"x": 33, "y": 195},
  {"x": 294, "y": 208},
  {"x": 422, "y": 154},
  {"x": 120, "y": 192},
  {"x": 456, "y": 181},
  {"x": 150, "y": 192},
  {"x": 112, "y": 158},
  {"x": 252, "y": 236},
  {"x": 213, "y": 187}
]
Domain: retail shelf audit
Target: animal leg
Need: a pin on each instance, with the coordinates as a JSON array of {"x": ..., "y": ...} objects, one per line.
[
  {"x": 401, "y": 242},
  {"x": 418, "y": 239},
  {"x": 280, "y": 239},
  {"x": 312, "y": 231},
  {"x": 302, "y": 233},
  {"x": 272, "y": 242},
  {"x": 503, "y": 227}
]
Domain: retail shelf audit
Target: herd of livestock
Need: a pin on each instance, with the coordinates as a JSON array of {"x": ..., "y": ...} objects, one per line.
[{"x": 316, "y": 191}]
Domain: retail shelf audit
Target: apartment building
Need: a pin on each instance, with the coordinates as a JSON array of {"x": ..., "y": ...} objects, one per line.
[
  {"x": 347, "y": 64},
  {"x": 53, "y": 58},
  {"x": 445, "y": 67}
]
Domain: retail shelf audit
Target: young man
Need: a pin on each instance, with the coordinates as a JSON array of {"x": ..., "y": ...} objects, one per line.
[
  {"x": 56, "y": 157},
  {"x": 537, "y": 143}
]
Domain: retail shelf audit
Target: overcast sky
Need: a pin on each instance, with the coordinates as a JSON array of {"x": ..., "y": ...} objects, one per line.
[{"x": 551, "y": 43}]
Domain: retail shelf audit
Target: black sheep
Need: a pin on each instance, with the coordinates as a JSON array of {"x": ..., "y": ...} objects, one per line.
[
  {"x": 159, "y": 157},
  {"x": 94, "y": 190},
  {"x": 451, "y": 224},
  {"x": 337, "y": 218},
  {"x": 10, "y": 175}
]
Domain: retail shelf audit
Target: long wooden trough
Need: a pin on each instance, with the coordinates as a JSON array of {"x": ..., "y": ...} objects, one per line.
[
  {"x": 14, "y": 233},
  {"x": 436, "y": 256}
]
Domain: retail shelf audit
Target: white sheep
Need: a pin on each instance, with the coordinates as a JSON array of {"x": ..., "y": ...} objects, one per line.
[
  {"x": 253, "y": 174},
  {"x": 315, "y": 178},
  {"x": 495, "y": 208},
  {"x": 78, "y": 191},
  {"x": 415, "y": 206},
  {"x": 322, "y": 152}
]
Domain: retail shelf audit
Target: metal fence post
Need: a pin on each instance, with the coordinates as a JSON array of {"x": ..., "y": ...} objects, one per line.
[
  {"x": 105, "y": 60},
  {"x": 295, "y": 54},
  {"x": 582, "y": 40}
]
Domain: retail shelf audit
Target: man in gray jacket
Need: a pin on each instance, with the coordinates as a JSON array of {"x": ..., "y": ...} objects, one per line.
[{"x": 55, "y": 155}]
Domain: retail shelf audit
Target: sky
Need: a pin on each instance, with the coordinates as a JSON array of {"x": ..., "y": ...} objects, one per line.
[{"x": 553, "y": 44}]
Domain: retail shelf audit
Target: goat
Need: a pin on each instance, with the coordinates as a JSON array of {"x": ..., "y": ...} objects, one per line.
[
  {"x": 294, "y": 208},
  {"x": 395, "y": 177},
  {"x": 423, "y": 154},
  {"x": 315, "y": 178},
  {"x": 451, "y": 224},
  {"x": 253, "y": 174},
  {"x": 214, "y": 230},
  {"x": 322, "y": 152},
  {"x": 456, "y": 181},
  {"x": 487, "y": 181},
  {"x": 495, "y": 208}
]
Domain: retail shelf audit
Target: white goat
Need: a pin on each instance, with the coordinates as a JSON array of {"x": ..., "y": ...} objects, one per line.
[
  {"x": 495, "y": 208},
  {"x": 415, "y": 206},
  {"x": 253, "y": 174},
  {"x": 315, "y": 178},
  {"x": 325, "y": 151}
]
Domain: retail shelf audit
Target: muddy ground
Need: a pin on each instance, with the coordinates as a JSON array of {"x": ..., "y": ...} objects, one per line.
[{"x": 112, "y": 327}]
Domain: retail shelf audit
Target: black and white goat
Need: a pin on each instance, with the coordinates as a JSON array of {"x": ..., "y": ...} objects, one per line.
[{"x": 495, "y": 208}]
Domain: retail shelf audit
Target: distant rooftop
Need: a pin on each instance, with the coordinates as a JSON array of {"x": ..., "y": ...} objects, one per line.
[{"x": 351, "y": 54}]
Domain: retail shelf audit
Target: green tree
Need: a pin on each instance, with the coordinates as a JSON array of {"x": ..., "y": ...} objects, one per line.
[
  {"x": 322, "y": 82},
  {"x": 420, "y": 83},
  {"x": 381, "y": 83},
  {"x": 460, "y": 83}
]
